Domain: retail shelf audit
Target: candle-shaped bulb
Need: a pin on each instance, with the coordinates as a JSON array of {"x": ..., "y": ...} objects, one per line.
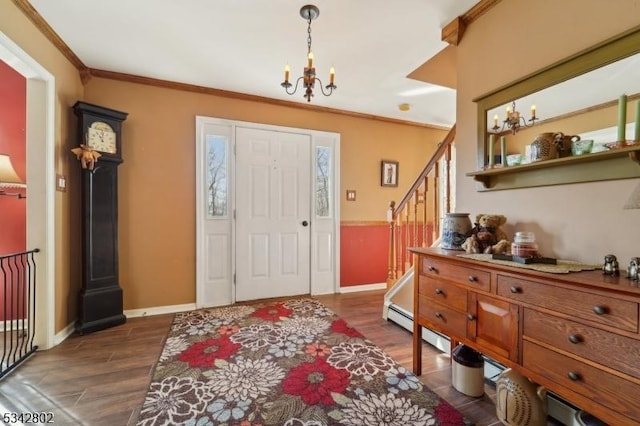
[
  {"x": 310, "y": 57},
  {"x": 332, "y": 75},
  {"x": 533, "y": 111},
  {"x": 287, "y": 70},
  {"x": 508, "y": 111},
  {"x": 495, "y": 120}
]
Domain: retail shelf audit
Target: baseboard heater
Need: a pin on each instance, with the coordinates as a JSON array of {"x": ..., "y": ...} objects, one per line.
[{"x": 559, "y": 409}]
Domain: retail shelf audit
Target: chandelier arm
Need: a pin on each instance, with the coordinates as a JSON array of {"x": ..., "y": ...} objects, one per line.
[
  {"x": 295, "y": 88},
  {"x": 329, "y": 87}
]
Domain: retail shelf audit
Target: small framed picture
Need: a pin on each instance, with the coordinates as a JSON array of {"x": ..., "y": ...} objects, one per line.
[{"x": 388, "y": 173}]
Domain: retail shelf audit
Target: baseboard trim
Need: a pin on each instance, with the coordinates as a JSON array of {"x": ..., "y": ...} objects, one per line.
[
  {"x": 62, "y": 335},
  {"x": 159, "y": 310},
  {"x": 364, "y": 287}
]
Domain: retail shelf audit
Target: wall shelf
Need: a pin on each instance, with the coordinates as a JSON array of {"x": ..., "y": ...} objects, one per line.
[{"x": 620, "y": 163}]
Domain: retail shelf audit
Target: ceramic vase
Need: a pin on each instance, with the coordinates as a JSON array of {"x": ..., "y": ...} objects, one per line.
[{"x": 455, "y": 227}]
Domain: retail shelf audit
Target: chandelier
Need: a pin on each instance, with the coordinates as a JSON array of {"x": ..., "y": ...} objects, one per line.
[
  {"x": 514, "y": 121},
  {"x": 308, "y": 78}
]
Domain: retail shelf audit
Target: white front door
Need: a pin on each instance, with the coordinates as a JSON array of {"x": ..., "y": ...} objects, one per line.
[{"x": 273, "y": 213}]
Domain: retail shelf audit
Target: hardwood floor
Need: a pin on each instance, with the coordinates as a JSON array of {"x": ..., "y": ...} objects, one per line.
[{"x": 102, "y": 378}]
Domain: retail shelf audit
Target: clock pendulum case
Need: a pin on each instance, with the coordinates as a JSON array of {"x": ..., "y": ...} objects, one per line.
[{"x": 100, "y": 304}]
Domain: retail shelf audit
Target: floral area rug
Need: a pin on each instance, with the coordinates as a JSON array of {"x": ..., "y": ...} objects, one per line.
[{"x": 292, "y": 363}]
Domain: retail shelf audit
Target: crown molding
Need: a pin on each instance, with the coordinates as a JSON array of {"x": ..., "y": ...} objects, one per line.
[{"x": 452, "y": 32}]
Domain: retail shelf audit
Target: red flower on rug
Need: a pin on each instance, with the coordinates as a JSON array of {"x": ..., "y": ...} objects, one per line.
[
  {"x": 272, "y": 312},
  {"x": 205, "y": 353},
  {"x": 340, "y": 326},
  {"x": 314, "y": 382},
  {"x": 447, "y": 415}
]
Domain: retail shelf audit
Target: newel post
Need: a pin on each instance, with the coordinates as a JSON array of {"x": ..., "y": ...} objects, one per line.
[{"x": 391, "y": 273}]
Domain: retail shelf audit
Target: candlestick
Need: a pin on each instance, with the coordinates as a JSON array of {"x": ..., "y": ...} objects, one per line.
[
  {"x": 287, "y": 69},
  {"x": 533, "y": 111},
  {"x": 492, "y": 140},
  {"x": 310, "y": 57},
  {"x": 503, "y": 151},
  {"x": 622, "y": 117},
  {"x": 636, "y": 135},
  {"x": 332, "y": 75},
  {"x": 495, "y": 120}
]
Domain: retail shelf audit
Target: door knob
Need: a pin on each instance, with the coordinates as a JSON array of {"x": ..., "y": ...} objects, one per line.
[{"x": 305, "y": 223}]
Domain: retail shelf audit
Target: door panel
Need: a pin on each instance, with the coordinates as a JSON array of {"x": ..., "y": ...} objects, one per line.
[{"x": 273, "y": 200}]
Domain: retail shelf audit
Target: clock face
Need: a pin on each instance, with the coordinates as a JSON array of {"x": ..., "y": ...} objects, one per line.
[{"x": 101, "y": 137}]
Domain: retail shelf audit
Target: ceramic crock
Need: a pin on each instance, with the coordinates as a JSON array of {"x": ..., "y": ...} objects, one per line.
[{"x": 455, "y": 227}]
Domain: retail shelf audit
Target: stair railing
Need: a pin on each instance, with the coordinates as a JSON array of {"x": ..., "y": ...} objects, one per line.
[
  {"x": 415, "y": 220},
  {"x": 17, "y": 309}
]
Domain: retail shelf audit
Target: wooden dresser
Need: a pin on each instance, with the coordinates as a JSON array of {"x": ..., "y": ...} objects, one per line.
[{"x": 576, "y": 333}]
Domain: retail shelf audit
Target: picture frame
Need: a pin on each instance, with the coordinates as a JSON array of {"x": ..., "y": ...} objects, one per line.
[{"x": 389, "y": 173}]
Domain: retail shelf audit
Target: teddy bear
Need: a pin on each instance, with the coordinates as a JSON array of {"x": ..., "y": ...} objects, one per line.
[{"x": 487, "y": 236}]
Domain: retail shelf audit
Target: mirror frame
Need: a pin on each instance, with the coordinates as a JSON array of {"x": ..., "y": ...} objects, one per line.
[{"x": 601, "y": 54}]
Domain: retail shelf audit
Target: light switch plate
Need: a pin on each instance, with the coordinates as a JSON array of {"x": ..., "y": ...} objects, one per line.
[{"x": 61, "y": 183}]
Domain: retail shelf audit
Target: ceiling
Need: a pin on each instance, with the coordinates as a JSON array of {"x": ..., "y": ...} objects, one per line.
[{"x": 243, "y": 45}]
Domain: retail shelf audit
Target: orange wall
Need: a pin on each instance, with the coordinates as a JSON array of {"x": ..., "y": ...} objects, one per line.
[
  {"x": 522, "y": 37},
  {"x": 157, "y": 178},
  {"x": 364, "y": 255},
  {"x": 364, "y": 250},
  {"x": 13, "y": 213},
  {"x": 68, "y": 89}
]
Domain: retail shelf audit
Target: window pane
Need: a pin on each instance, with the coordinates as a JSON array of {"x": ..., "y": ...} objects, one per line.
[
  {"x": 217, "y": 175},
  {"x": 323, "y": 181}
]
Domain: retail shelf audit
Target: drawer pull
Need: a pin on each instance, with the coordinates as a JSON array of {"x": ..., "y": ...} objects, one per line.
[
  {"x": 431, "y": 268},
  {"x": 515, "y": 289},
  {"x": 439, "y": 315},
  {"x": 439, "y": 291},
  {"x": 472, "y": 278},
  {"x": 599, "y": 310},
  {"x": 573, "y": 376},
  {"x": 574, "y": 338},
  {"x": 471, "y": 317}
]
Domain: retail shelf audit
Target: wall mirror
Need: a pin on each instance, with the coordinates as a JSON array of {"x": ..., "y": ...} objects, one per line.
[{"x": 589, "y": 82}]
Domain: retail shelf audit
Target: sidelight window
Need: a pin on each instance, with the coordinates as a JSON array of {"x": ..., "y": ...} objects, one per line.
[{"x": 217, "y": 179}]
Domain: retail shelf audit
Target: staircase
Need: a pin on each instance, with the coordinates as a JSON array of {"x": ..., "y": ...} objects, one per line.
[{"x": 415, "y": 222}]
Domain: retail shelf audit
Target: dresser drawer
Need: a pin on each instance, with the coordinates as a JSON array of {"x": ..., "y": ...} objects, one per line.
[
  {"x": 441, "y": 318},
  {"x": 618, "y": 352},
  {"x": 620, "y": 395},
  {"x": 442, "y": 292},
  {"x": 475, "y": 278},
  {"x": 605, "y": 310}
]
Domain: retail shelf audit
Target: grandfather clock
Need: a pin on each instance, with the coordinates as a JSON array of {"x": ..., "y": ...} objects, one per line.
[{"x": 100, "y": 305}]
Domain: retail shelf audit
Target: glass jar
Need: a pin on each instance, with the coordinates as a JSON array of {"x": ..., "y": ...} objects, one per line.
[{"x": 524, "y": 245}]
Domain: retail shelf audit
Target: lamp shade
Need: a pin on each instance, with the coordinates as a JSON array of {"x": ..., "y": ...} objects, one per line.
[{"x": 8, "y": 176}]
